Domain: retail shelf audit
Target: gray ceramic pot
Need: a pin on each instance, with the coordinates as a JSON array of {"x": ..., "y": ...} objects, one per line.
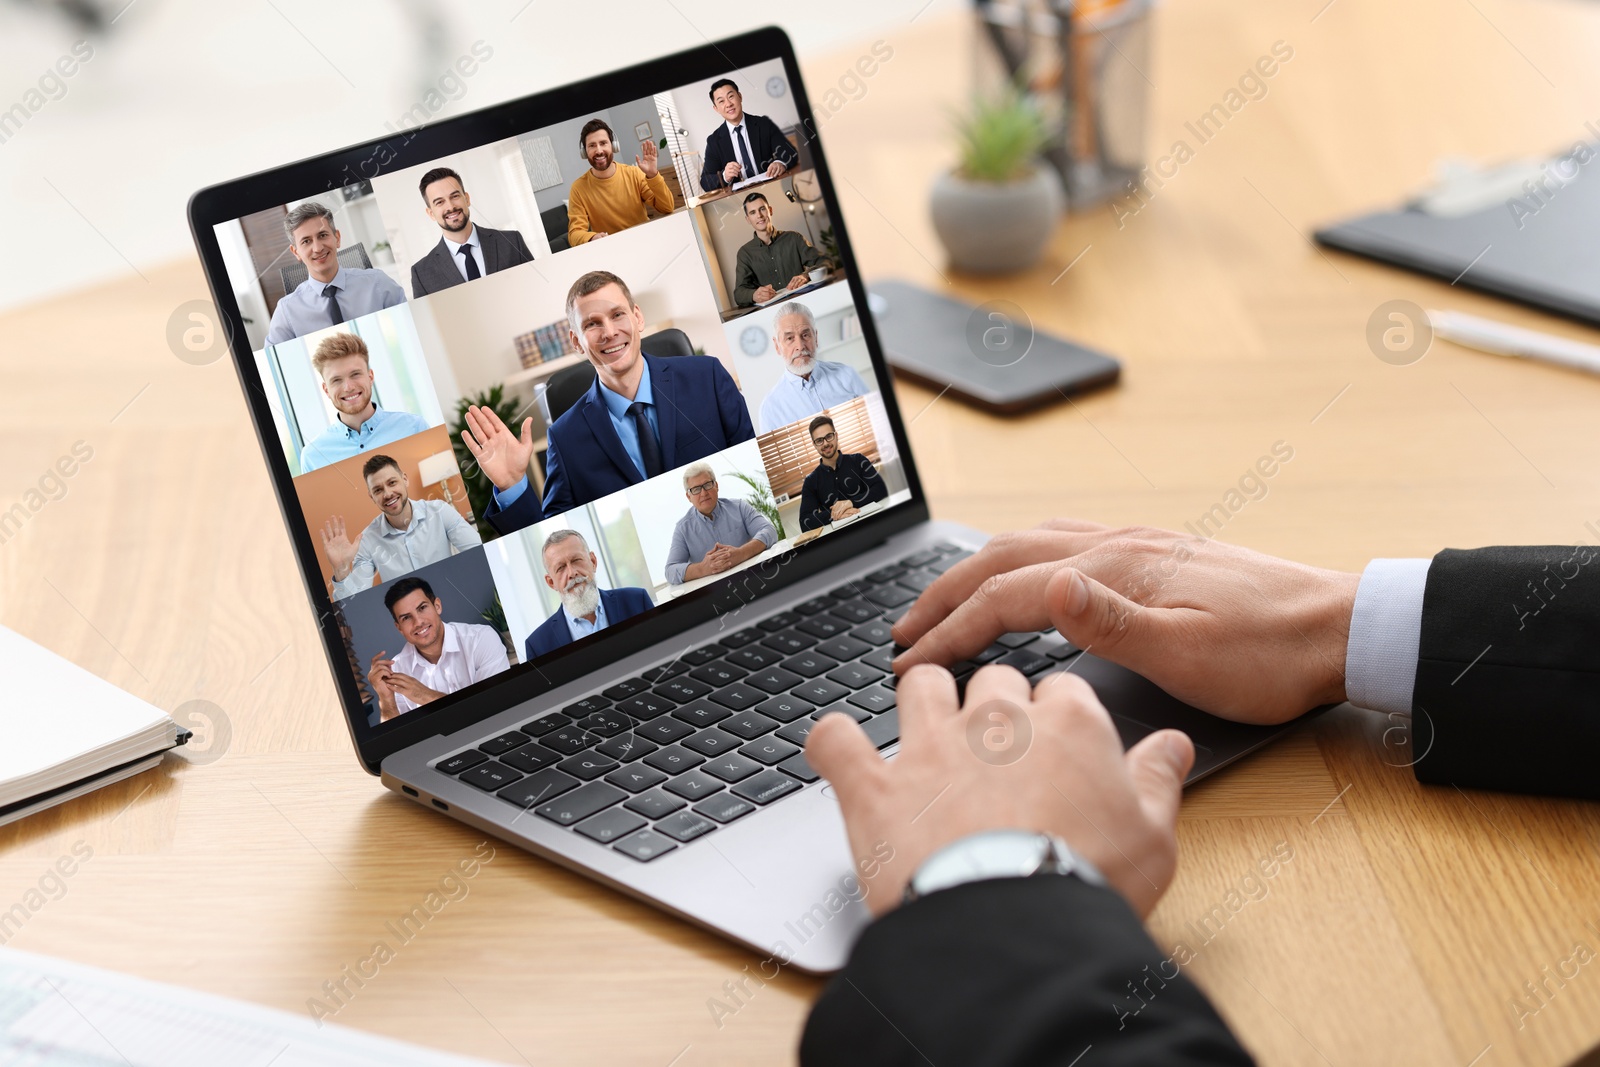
[{"x": 995, "y": 227}]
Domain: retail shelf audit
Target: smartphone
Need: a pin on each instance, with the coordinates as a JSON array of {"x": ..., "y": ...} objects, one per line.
[{"x": 990, "y": 355}]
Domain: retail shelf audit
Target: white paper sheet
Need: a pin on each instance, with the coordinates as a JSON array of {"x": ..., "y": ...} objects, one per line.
[{"x": 59, "y": 1013}]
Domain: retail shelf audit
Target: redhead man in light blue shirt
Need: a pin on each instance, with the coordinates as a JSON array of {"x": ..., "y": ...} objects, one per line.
[{"x": 342, "y": 363}]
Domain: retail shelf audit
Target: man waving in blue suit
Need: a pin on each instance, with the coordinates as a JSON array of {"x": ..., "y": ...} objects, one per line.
[
  {"x": 643, "y": 415},
  {"x": 585, "y": 609}
]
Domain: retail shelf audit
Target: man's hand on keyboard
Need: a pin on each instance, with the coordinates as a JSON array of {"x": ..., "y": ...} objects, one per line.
[
  {"x": 1064, "y": 772},
  {"x": 1234, "y": 632}
]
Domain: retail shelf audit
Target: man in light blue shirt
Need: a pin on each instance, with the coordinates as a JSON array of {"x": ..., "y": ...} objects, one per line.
[
  {"x": 331, "y": 294},
  {"x": 714, "y": 535},
  {"x": 341, "y": 361},
  {"x": 811, "y": 385},
  {"x": 407, "y": 533}
]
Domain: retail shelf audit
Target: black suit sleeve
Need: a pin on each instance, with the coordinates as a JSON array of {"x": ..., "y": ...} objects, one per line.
[
  {"x": 1507, "y": 693},
  {"x": 1010, "y": 972},
  {"x": 711, "y": 168},
  {"x": 781, "y": 149}
]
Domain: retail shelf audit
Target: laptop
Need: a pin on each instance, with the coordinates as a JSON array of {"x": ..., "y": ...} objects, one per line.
[{"x": 572, "y": 654}]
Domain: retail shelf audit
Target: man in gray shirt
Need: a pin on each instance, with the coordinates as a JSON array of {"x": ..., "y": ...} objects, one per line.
[
  {"x": 407, "y": 533},
  {"x": 715, "y": 535}
]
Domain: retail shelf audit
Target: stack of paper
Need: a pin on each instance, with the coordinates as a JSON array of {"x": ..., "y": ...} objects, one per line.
[
  {"x": 68, "y": 732},
  {"x": 53, "y": 1012}
]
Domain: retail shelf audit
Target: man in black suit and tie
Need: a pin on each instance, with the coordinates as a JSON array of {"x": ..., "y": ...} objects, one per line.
[
  {"x": 465, "y": 251},
  {"x": 744, "y": 146},
  {"x": 1017, "y": 931}
]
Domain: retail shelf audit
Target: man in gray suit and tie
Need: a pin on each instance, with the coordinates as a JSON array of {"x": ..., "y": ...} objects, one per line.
[{"x": 465, "y": 251}]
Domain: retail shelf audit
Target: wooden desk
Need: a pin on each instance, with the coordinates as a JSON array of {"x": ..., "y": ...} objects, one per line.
[{"x": 1408, "y": 918}]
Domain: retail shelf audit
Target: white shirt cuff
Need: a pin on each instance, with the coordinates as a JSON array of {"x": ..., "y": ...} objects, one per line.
[{"x": 1380, "y": 666}]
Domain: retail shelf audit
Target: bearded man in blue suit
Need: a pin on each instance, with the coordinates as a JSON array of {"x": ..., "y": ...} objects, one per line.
[{"x": 569, "y": 569}]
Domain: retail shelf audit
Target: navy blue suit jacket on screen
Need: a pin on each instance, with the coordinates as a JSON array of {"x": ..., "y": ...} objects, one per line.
[
  {"x": 699, "y": 412},
  {"x": 523, "y": 512},
  {"x": 554, "y": 632}
]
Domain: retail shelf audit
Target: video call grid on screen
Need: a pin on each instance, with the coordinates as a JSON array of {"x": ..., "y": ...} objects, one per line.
[{"x": 450, "y": 288}]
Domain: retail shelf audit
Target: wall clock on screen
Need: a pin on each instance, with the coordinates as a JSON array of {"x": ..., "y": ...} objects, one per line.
[
  {"x": 753, "y": 340},
  {"x": 776, "y": 86}
]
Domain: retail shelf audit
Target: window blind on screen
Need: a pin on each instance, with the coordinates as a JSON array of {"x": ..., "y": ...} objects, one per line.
[{"x": 789, "y": 455}]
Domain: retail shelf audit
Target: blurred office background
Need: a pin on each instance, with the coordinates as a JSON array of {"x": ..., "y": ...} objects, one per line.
[{"x": 97, "y": 166}]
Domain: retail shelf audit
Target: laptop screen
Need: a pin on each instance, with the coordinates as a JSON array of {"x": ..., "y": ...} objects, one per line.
[{"x": 553, "y": 381}]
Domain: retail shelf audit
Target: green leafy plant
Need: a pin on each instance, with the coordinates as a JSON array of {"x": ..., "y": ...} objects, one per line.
[
  {"x": 761, "y": 499},
  {"x": 495, "y": 616},
  {"x": 829, "y": 244},
  {"x": 479, "y": 488},
  {"x": 1001, "y": 136}
]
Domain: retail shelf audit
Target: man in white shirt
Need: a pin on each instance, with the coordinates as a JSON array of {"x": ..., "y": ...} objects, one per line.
[
  {"x": 407, "y": 533},
  {"x": 466, "y": 251},
  {"x": 331, "y": 294},
  {"x": 439, "y": 658},
  {"x": 810, "y": 385}
]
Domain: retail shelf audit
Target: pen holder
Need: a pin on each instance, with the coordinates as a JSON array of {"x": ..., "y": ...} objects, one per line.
[{"x": 1086, "y": 61}]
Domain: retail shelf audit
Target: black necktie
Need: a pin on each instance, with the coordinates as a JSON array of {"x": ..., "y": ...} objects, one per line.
[
  {"x": 334, "y": 311},
  {"x": 649, "y": 448},
  {"x": 472, "y": 264},
  {"x": 744, "y": 156}
]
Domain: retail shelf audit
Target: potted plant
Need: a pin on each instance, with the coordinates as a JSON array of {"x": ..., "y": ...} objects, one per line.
[
  {"x": 476, "y": 482},
  {"x": 495, "y": 616},
  {"x": 995, "y": 211},
  {"x": 760, "y": 498}
]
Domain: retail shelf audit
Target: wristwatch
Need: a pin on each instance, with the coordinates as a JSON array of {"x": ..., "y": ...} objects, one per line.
[{"x": 998, "y": 854}]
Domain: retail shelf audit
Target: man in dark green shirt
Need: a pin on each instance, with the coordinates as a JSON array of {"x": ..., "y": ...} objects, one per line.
[{"x": 773, "y": 260}]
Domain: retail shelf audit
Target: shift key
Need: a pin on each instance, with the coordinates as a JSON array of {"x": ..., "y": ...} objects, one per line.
[{"x": 581, "y": 803}]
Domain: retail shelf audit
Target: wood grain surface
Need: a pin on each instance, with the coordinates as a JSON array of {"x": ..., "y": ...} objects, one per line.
[{"x": 1408, "y": 920}]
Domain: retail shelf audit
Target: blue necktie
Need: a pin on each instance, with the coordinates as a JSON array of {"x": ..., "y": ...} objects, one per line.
[
  {"x": 334, "y": 311},
  {"x": 649, "y": 447}
]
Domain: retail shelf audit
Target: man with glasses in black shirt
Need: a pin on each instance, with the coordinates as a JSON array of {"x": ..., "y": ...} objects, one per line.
[{"x": 842, "y": 484}]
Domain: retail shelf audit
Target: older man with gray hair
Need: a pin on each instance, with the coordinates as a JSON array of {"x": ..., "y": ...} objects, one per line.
[
  {"x": 810, "y": 385},
  {"x": 715, "y": 535},
  {"x": 331, "y": 294},
  {"x": 586, "y": 609}
]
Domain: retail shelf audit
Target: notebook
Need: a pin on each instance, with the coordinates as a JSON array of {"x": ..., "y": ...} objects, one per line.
[
  {"x": 1523, "y": 230},
  {"x": 68, "y": 732}
]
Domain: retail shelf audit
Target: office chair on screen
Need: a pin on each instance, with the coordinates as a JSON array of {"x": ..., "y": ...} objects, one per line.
[
  {"x": 555, "y": 227},
  {"x": 566, "y": 386},
  {"x": 353, "y": 257}
]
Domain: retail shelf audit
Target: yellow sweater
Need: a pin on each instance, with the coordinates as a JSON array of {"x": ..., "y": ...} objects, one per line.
[{"x": 606, "y": 205}]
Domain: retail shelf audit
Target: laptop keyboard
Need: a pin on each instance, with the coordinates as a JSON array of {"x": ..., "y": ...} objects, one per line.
[{"x": 652, "y": 763}]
